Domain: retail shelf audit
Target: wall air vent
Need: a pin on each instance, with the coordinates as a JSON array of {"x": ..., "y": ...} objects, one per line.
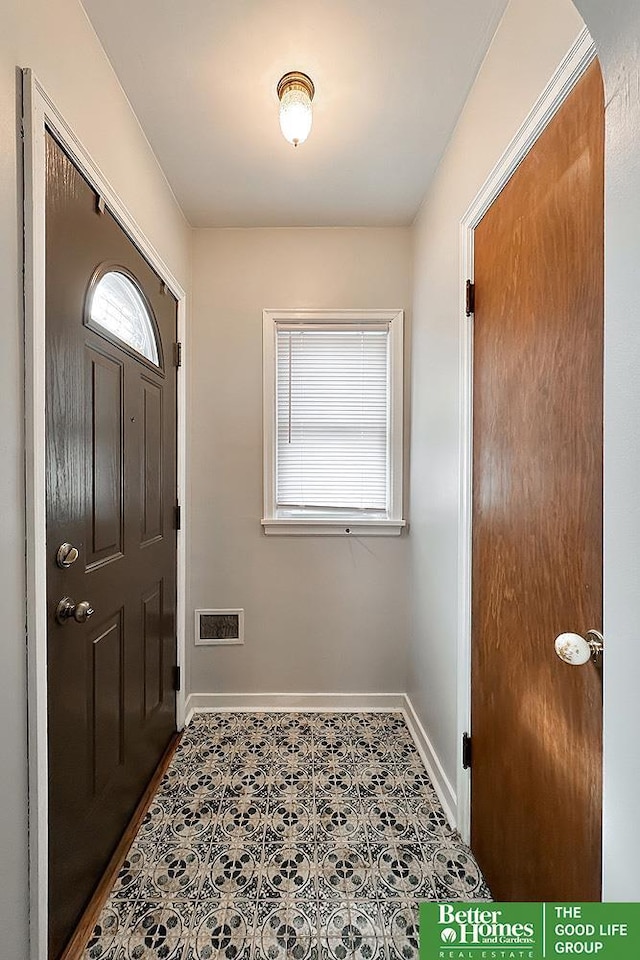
[{"x": 219, "y": 626}]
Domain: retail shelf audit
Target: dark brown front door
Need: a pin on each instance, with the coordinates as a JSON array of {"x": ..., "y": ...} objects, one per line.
[
  {"x": 111, "y": 495},
  {"x": 537, "y": 514}
]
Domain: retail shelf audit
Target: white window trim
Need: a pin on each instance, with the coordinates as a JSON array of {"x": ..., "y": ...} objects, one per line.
[{"x": 394, "y": 524}]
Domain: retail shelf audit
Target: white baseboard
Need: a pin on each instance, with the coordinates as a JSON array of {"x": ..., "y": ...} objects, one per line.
[
  {"x": 289, "y": 702},
  {"x": 441, "y": 782}
]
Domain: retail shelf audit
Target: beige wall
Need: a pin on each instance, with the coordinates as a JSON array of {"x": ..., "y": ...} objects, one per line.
[
  {"x": 528, "y": 46},
  {"x": 615, "y": 27},
  {"x": 55, "y": 39},
  {"x": 322, "y": 614}
]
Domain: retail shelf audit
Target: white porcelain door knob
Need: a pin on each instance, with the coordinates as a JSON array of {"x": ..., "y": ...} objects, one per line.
[{"x": 573, "y": 649}]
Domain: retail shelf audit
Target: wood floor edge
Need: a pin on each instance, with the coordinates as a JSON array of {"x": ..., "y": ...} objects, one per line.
[{"x": 76, "y": 945}]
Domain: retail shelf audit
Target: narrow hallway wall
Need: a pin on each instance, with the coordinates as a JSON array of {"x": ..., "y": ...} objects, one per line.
[
  {"x": 529, "y": 44},
  {"x": 615, "y": 26},
  {"x": 322, "y": 614},
  {"x": 55, "y": 39}
]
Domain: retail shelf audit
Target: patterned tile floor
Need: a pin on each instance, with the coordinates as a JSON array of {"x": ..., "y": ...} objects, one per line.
[{"x": 291, "y": 836}]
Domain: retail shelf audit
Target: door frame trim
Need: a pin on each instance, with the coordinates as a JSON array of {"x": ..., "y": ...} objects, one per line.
[
  {"x": 38, "y": 113},
  {"x": 568, "y": 73}
]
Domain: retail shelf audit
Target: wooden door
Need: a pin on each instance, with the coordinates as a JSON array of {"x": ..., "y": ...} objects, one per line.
[
  {"x": 111, "y": 495},
  {"x": 537, "y": 514}
]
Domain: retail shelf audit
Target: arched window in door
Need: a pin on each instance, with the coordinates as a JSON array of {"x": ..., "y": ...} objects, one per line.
[{"x": 118, "y": 307}]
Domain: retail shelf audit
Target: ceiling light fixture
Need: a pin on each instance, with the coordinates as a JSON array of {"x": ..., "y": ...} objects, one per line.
[{"x": 295, "y": 93}]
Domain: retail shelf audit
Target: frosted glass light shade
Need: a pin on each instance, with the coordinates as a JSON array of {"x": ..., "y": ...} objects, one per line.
[{"x": 295, "y": 91}]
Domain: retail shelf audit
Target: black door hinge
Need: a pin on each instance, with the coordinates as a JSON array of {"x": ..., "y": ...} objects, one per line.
[
  {"x": 177, "y": 516},
  {"x": 177, "y": 678},
  {"x": 470, "y": 298},
  {"x": 177, "y": 354},
  {"x": 466, "y": 751}
]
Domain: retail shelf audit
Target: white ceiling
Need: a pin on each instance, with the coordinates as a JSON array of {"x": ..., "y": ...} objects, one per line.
[{"x": 391, "y": 77}]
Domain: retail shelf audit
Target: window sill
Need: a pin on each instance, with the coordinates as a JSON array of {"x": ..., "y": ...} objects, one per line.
[{"x": 333, "y": 528}]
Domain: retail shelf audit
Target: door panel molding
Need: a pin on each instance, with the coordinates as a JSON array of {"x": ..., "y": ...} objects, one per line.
[
  {"x": 152, "y": 472},
  {"x": 569, "y": 72},
  {"x": 105, "y": 533},
  {"x": 38, "y": 114},
  {"x": 153, "y": 644},
  {"x": 107, "y": 652}
]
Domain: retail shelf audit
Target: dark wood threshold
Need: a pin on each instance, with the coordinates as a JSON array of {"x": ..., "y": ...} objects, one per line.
[{"x": 76, "y": 946}]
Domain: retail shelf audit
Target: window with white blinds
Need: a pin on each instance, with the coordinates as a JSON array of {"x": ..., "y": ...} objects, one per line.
[
  {"x": 332, "y": 390},
  {"x": 332, "y": 415}
]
